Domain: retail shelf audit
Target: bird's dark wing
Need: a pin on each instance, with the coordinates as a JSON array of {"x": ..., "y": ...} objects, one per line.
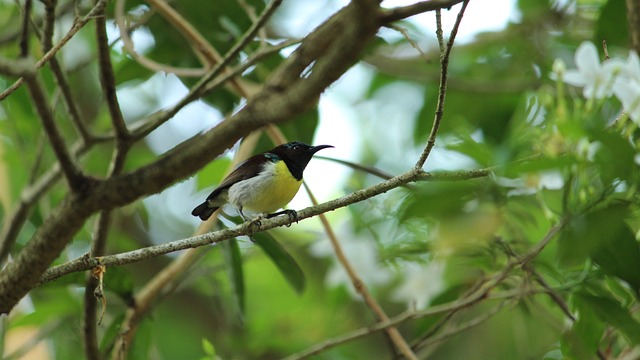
[{"x": 245, "y": 170}]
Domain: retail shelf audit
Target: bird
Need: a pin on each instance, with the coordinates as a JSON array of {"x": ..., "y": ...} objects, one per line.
[{"x": 263, "y": 183}]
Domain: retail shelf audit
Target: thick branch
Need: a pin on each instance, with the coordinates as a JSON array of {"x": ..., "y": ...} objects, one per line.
[
  {"x": 16, "y": 67},
  {"x": 633, "y": 18},
  {"x": 24, "y": 33}
]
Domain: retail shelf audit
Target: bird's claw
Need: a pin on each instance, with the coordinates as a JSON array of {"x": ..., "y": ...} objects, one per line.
[{"x": 292, "y": 214}]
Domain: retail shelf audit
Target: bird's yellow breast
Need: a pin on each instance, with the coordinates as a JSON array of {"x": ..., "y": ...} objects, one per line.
[{"x": 272, "y": 189}]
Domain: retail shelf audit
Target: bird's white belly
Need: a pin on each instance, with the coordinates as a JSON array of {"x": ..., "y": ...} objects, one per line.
[{"x": 272, "y": 189}]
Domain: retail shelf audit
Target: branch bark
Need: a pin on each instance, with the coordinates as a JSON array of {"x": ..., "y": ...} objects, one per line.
[
  {"x": 86, "y": 262},
  {"x": 633, "y": 18}
]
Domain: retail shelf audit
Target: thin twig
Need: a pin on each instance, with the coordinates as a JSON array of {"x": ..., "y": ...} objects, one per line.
[
  {"x": 359, "y": 285},
  {"x": 143, "y": 60},
  {"x": 85, "y": 263},
  {"x": 58, "y": 73},
  {"x": 203, "y": 49},
  {"x": 77, "y": 25},
  {"x": 411, "y": 42},
  {"x": 439, "y": 33},
  {"x": 404, "y": 12},
  {"x": 479, "y": 294},
  {"x": 484, "y": 316},
  {"x": 71, "y": 171},
  {"x": 442, "y": 93},
  {"x": 202, "y": 85}
]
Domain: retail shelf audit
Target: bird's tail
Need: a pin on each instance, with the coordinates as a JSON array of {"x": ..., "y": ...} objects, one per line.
[{"x": 204, "y": 211}]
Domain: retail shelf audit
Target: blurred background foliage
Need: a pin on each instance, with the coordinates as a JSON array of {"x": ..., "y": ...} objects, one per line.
[{"x": 556, "y": 159}]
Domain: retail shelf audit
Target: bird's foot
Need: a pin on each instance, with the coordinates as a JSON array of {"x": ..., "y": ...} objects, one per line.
[
  {"x": 292, "y": 214},
  {"x": 256, "y": 222}
]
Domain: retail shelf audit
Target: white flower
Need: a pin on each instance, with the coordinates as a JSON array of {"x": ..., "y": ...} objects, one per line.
[
  {"x": 627, "y": 87},
  {"x": 628, "y": 92},
  {"x": 631, "y": 69},
  {"x": 597, "y": 79}
]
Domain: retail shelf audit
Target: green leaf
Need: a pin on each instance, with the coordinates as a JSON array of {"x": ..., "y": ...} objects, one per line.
[
  {"x": 614, "y": 314},
  {"x": 481, "y": 152},
  {"x": 141, "y": 346},
  {"x": 112, "y": 332},
  {"x": 619, "y": 255},
  {"x": 233, "y": 262},
  {"x": 208, "y": 348},
  {"x": 287, "y": 265},
  {"x": 585, "y": 233},
  {"x": 119, "y": 281},
  {"x": 604, "y": 236},
  {"x": 450, "y": 197},
  {"x": 582, "y": 341},
  {"x": 614, "y": 156}
]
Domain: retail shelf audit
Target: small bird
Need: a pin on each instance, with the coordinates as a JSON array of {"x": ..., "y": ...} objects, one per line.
[{"x": 263, "y": 183}]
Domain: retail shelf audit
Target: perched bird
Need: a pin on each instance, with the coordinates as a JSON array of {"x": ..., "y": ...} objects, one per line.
[{"x": 263, "y": 183}]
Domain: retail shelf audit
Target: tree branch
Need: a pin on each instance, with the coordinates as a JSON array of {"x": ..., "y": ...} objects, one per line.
[
  {"x": 16, "y": 67},
  {"x": 108, "y": 81},
  {"x": 31, "y": 194},
  {"x": 399, "y": 13},
  {"x": 473, "y": 297},
  {"x": 24, "y": 32},
  {"x": 360, "y": 287},
  {"x": 444, "y": 73},
  {"x": 77, "y": 25},
  {"x": 85, "y": 262},
  {"x": 71, "y": 171}
]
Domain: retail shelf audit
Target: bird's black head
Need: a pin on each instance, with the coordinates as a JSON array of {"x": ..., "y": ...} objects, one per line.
[{"x": 297, "y": 155}]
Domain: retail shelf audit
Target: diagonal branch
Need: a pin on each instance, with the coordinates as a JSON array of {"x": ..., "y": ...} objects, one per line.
[
  {"x": 404, "y": 12},
  {"x": 108, "y": 81},
  {"x": 58, "y": 72},
  {"x": 473, "y": 297},
  {"x": 71, "y": 171},
  {"x": 77, "y": 25},
  {"x": 360, "y": 287},
  {"x": 86, "y": 263},
  {"x": 30, "y": 195}
]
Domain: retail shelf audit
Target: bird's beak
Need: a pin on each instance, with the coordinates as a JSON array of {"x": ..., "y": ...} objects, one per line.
[{"x": 315, "y": 149}]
